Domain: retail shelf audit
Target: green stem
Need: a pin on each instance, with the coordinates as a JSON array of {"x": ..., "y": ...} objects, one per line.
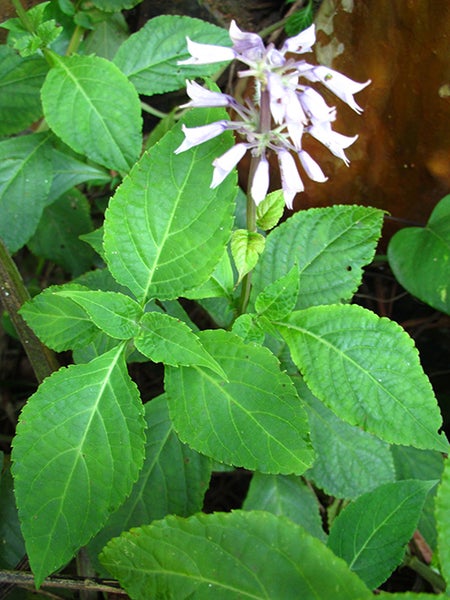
[
  {"x": 251, "y": 227},
  {"x": 12, "y": 295},
  {"x": 153, "y": 111},
  {"x": 425, "y": 572},
  {"x": 22, "y": 14},
  {"x": 75, "y": 40}
]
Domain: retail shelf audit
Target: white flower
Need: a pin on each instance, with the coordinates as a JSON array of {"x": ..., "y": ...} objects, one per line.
[
  {"x": 204, "y": 54},
  {"x": 197, "y": 135},
  {"x": 260, "y": 182},
  {"x": 203, "y": 98},
  {"x": 290, "y": 179},
  {"x": 334, "y": 141},
  {"x": 343, "y": 87},
  {"x": 311, "y": 167},
  {"x": 302, "y": 42},
  {"x": 246, "y": 44},
  {"x": 224, "y": 164}
]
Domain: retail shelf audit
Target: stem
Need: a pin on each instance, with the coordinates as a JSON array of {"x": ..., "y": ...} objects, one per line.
[
  {"x": 69, "y": 583},
  {"x": 75, "y": 40},
  {"x": 22, "y": 14},
  {"x": 12, "y": 295},
  {"x": 425, "y": 572},
  {"x": 153, "y": 111}
]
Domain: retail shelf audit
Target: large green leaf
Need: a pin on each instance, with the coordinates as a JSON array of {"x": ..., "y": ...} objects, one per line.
[
  {"x": 94, "y": 109},
  {"x": 371, "y": 533},
  {"x": 165, "y": 228},
  {"x": 173, "y": 480},
  {"x": 254, "y": 420},
  {"x": 58, "y": 321},
  {"x": 12, "y": 547},
  {"x": 225, "y": 556},
  {"x": 25, "y": 179},
  {"x": 20, "y": 83},
  {"x": 57, "y": 235},
  {"x": 150, "y": 57},
  {"x": 349, "y": 461},
  {"x": 420, "y": 258},
  {"x": 77, "y": 452},
  {"x": 367, "y": 370},
  {"x": 288, "y": 496},
  {"x": 329, "y": 245}
]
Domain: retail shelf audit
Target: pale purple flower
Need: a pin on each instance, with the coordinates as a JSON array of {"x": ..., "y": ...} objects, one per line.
[
  {"x": 223, "y": 165},
  {"x": 285, "y": 108}
]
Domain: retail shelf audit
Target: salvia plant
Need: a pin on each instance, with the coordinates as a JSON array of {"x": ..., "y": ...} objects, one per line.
[{"x": 323, "y": 401}]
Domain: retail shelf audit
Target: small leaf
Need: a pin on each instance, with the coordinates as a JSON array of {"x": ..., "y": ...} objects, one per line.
[
  {"x": 329, "y": 245},
  {"x": 228, "y": 556},
  {"x": 367, "y": 370},
  {"x": 94, "y": 109},
  {"x": 165, "y": 235},
  {"x": 247, "y": 327},
  {"x": 219, "y": 285},
  {"x": 287, "y": 496},
  {"x": 80, "y": 436},
  {"x": 420, "y": 258},
  {"x": 270, "y": 210},
  {"x": 371, "y": 533},
  {"x": 114, "y": 313},
  {"x": 168, "y": 340},
  {"x": 246, "y": 246},
  {"x": 254, "y": 420},
  {"x": 279, "y": 298},
  {"x": 150, "y": 57},
  {"x": 300, "y": 19},
  {"x": 20, "y": 83},
  {"x": 25, "y": 179},
  {"x": 57, "y": 321},
  {"x": 57, "y": 235}
]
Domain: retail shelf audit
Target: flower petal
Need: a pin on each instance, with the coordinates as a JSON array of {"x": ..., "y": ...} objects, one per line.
[
  {"x": 311, "y": 167},
  {"x": 290, "y": 179},
  {"x": 302, "y": 42},
  {"x": 334, "y": 141},
  {"x": 260, "y": 181},
  {"x": 343, "y": 87},
  {"x": 315, "y": 106},
  {"x": 223, "y": 165},
  {"x": 204, "y": 98},
  {"x": 248, "y": 45},
  {"x": 204, "y": 54},
  {"x": 197, "y": 135}
]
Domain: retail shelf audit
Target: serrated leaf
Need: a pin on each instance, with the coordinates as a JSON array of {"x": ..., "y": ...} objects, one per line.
[
  {"x": 115, "y": 5},
  {"x": 246, "y": 247},
  {"x": 228, "y": 556},
  {"x": 247, "y": 327},
  {"x": 279, "y": 298},
  {"x": 57, "y": 235},
  {"x": 94, "y": 109},
  {"x": 300, "y": 19},
  {"x": 173, "y": 479},
  {"x": 107, "y": 37},
  {"x": 270, "y": 210},
  {"x": 330, "y": 246},
  {"x": 20, "y": 83},
  {"x": 163, "y": 338},
  {"x": 25, "y": 179},
  {"x": 367, "y": 370},
  {"x": 287, "y": 496},
  {"x": 349, "y": 461},
  {"x": 420, "y": 258},
  {"x": 57, "y": 321},
  {"x": 114, "y": 313},
  {"x": 383, "y": 519},
  {"x": 78, "y": 450},
  {"x": 254, "y": 420},
  {"x": 165, "y": 235},
  {"x": 443, "y": 521},
  {"x": 219, "y": 285},
  {"x": 150, "y": 57}
]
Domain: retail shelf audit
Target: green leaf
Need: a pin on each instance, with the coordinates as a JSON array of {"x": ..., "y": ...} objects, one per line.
[
  {"x": 300, "y": 19},
  {"x": 287, "y": 496},
  {"x": 115, "y": 5},
  {"x": 247, "y": 327},
  {"x": 107, "y": 37},
  {"x": 420, "y": 258},
  {"x": 279, "y": 298},
  {"x": 94, "y": 109},
  {"x": 219, "y": 285},
  {"x": 20, "y": 83},
  {"x": 443, "y": 521},
  {"x": 12, "y": 547},
  {"x": 246, "y": 247},
  {"x": 77, "y": 452},
  {"x": 363, "y": 366},
  {"x": 165, "y": 235},
  {"x": 255, "y": 420},
  {"x": 58, "y": 321},
  {"x": 349, "y": 461},
  {"x": 173, "y": 480},
  {"x": 329, "y": 245},
  {"x": 371, "y": 533},
  {"x": 228, "y": 556},
  {"x": 25, "y": 179},
  {"x": 163, "y": 338},
  {"x": 150, "y": 57},
  {"x": 114, "y": 313},
  {"x": 57, "y": 235},
  {"x": 270, "y": 210}
]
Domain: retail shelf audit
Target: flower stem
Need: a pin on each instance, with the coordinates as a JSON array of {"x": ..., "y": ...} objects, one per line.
[
  {"x": 12, "y": 295},
  {"x": 425, "y": 572}
]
